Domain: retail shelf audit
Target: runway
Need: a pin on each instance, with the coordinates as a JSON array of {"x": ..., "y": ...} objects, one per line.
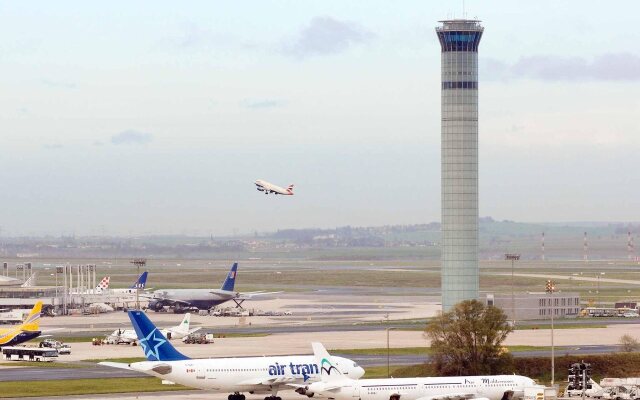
[
  {"x": 98, "y": 371},
  {"x": 174, "y": 395},
  {"x": 10, "y": 374}
]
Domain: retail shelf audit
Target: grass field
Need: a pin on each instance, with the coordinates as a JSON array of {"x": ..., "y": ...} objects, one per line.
[{"x": 69, "y": 387}]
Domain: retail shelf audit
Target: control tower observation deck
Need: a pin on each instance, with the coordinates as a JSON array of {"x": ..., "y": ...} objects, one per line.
[{"x": 459, "y": 40}]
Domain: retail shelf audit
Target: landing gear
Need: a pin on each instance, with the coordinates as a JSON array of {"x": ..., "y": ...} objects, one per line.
[
  {"x": 236, "y": 396},
  {"x": 273, "y": 398}
]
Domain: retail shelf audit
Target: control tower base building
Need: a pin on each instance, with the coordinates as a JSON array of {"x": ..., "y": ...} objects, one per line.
[{"x": 459, "y": 40}]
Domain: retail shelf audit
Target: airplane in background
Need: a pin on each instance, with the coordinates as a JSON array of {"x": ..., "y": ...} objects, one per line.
[
  {"x": 182, "y": 300},
  {"x": 267, "y": 375},
  {"x": 267, "y": 188},
  {"x": 103, "y": 286},
  {"x": 139, "y": 284},
  {"x": 29, "y": 329},
  {"x": 334, "y": 385},
  {"x": 179, "y": 331}
]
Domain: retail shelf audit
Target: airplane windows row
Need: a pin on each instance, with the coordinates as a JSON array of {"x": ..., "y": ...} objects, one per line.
[{"x": 237, "y": 370}]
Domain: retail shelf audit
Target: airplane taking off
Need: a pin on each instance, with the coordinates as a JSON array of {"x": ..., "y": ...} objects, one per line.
[
  {"x": 267, "y": 188},
  {"x": 203, "y": 299},
  {"x": 28, "y": 330},
  {"x": 335, "y": 385},
  {"x": 268, "y": 375}
]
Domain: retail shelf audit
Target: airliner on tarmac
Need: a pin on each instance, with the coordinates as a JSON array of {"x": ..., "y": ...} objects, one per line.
[
  {"x": 267, "y": 188},
  {"x": 267, "y": 375},
  {"x": 333, "y": 384},
  {"x": 179, "y": 331},
  {"x": 28, "y": 330},
  {"x": 182, "y": 300}
]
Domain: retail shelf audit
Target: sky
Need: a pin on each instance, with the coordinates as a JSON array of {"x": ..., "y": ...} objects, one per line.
[{"x": 155, "y": 117}]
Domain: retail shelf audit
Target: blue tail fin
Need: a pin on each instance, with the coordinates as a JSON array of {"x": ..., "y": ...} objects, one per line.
[
  {"x": 141, "y": 282},
  {"x": 231, "y": 278},
  {"x": 156, "y": 347}
]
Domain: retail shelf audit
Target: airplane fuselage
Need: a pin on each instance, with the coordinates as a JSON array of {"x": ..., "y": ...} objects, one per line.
[
  {"x": 203, "y": 299},
  {"x": 15, "y": 337},
  {"x": 479, "y": 387},
  {"x": 243, "y": 374}
]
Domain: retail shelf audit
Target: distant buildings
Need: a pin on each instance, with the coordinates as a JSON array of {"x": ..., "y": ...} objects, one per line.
[{"x": 528, "y": 306}]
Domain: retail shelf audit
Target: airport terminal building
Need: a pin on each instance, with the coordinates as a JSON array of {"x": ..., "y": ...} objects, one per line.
[{"x": 536, "y": 305}]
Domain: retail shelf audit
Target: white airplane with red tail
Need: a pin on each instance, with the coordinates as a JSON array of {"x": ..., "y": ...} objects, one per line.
[{"x": 267, "y": 188}]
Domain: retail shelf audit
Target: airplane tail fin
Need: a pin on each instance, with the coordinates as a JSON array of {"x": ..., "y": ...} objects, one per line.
[
  {"x": 156, "y": 347},
  {"x": 31, "y": 281},
  {"x": 32, "y": 323},
  {"x": 231, "y": 279},
  {"x": 141, "y": 282},
  {"x": 184, "y": 325},
  {"x": 103, "y": 285},
  {"x": 290, "y": 189},
  {"x": 328, "y": 371}
]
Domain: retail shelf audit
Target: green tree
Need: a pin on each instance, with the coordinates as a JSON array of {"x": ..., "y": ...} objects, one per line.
[{"x": 468, "y": 340}]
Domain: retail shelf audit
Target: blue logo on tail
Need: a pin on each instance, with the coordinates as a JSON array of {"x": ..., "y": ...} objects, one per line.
[
  {"x": 231, "y": 278},
  {"x": 141, "y": 282},
  {"x": 154, "y": 345}
]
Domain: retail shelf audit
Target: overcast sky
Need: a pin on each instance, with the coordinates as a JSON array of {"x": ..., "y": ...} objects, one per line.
[{"x": 156, "y": 117}]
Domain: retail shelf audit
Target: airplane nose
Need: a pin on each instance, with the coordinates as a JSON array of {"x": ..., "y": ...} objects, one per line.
[{"x": 359, "y": 372}]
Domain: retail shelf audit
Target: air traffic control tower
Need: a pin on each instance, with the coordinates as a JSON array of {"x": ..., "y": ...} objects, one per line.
[{"x": 459, "y": 40}]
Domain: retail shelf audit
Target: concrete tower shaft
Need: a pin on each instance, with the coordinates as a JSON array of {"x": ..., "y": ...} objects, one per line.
[{"x": 459, "y": 40}]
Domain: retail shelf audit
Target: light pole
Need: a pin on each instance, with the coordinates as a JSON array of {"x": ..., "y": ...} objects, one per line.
[
  {"x": 550, "y": 288},
  {"x": 598, "y": 286},
  {"x": 513, "y": 257},
  {"x": 386, "y": 317}
]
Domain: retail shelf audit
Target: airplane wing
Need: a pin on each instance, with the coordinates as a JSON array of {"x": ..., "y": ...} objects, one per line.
[
  {"x": 194, "y": 330},
  {"x": 270, "y": 382},
  {"x": 250, "y": 295},
  {"x": 115, "y": 365},
  {"x": 327, "y": 387},
  {"x": 51, "y": 330}
]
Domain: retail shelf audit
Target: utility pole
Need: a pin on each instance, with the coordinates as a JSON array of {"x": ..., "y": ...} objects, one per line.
[
  {"x": 388, "y": 351},
  {"x": 513, "y": 257},
  {"x": 138, "y": 262},
  {"x": 550, "y": 288}
]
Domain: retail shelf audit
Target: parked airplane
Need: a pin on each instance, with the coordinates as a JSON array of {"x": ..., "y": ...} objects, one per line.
[
  {"x": 335, "y": 385},
  {"x": 176, "y": 332},
  {"x": 267, "y": 188},
  {"x": 28, "y": 330},
  {"x": 182, "y": 300},
  {"x": 139, "y": 284},
  {"x": 267, "y": 375}
]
